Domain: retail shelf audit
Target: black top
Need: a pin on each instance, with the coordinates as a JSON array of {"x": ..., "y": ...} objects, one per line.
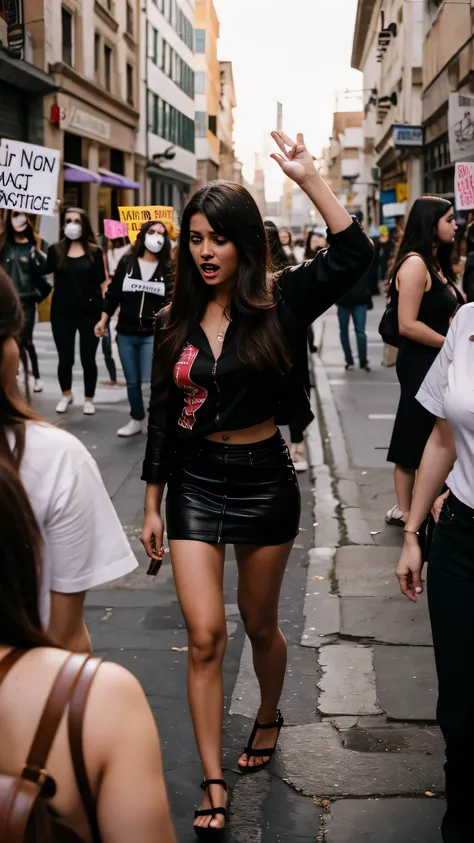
[
  {"x": 139, "y": 300},
  {"x": 207, "y": 395},
  {"x": 359, "y": 293},
  {"x": 77, "y": 285},
  {"x": 437, "y": 307}
]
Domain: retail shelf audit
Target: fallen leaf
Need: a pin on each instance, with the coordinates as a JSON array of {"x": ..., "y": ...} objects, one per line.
[
  {"x": 429, "y": 793},
  {"x": 325, "y": 803},
  {"x": 180, "y": 649},
  {"x": 375, "y": 532},
  {"x": 319, "y": 578}
]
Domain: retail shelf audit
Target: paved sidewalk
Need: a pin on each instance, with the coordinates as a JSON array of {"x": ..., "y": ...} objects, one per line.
[{"x": 374, "y": 762}]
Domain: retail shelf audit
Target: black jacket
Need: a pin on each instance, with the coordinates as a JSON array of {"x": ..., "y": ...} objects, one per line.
[
  {"x": 26, "y": 267},
  {"x": 206, "y": 396},
  {"x": 139, "y": 301},
  {"x": 359, "y": 293}
]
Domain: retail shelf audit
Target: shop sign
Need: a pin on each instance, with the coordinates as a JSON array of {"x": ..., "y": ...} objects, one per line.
[
  {"x": 394, "y": 209},
  {"x": 387, "y": 196},
  {"x": 461, "y": 126},
  {"x": 464, "y": 186},
  {"x": 407, "y": 135},
  {"x": 28, "y": 177},
  {"x": 402, "y": 191},
  {"x": 135, "y": 215},
  {"x": 83, "y": 121}
]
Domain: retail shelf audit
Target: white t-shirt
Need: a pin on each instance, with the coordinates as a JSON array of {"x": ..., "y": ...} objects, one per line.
[
  {"x": 448, "y": 392},
  {"x": 84, "y": 542},
  {"x": 147, "y": 268}
]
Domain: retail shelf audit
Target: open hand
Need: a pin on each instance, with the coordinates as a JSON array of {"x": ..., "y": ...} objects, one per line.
[{"x": 297, "y": 163}]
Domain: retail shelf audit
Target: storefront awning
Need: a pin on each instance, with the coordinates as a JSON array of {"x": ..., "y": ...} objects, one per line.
[
  {"x": 116, "y": 180},
  {"x": 74, "y": 173},
  {"x": 21, "y": 74}
]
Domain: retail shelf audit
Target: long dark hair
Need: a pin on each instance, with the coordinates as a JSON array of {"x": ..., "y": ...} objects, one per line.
[
  {"x": 7, "y": 235},
  {"x": 421, "y": 236},
  {"x": 20, "y": 539},
  {"x": 278, "y": 258},
  {"x": 231, "y": 212},
  {"x": 87, "y": 238},
  {"x": 164, "y": 257}
]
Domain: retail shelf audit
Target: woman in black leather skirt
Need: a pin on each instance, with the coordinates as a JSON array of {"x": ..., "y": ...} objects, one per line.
[{"x": 230, "y": 351}]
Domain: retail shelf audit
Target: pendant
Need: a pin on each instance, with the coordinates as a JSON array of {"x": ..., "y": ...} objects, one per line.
[{"x": 220, "y": 337}]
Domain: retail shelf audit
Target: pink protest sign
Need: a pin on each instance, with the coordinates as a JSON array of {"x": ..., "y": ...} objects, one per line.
[
  {"x": 114, "y": 229},
  {"x": 464, "y": 186}
]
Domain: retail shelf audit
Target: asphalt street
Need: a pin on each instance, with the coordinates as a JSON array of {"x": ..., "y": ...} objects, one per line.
[{"x": 359, "y": 749}]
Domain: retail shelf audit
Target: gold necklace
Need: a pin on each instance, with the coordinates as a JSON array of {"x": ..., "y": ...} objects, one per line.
[{"x": 220, "y": 331}]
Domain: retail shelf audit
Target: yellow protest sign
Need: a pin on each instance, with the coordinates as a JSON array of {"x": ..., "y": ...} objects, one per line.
[{"x": 135, "y": 215}]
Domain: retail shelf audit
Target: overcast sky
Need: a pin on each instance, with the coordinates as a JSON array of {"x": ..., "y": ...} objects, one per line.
[{"x": 299, "y": 55}]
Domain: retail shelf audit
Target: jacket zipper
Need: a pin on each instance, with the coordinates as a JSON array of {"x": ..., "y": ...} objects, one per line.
[
  {"x": 214, "y": 370},
  {"x": 141, "y": 310}
]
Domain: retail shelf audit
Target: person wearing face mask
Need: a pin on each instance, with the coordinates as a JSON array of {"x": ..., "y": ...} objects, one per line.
[
  {"x": 78, "y": 268},
  {"x": 23, "y": 261},
  {"x": 140, "y": 287}
]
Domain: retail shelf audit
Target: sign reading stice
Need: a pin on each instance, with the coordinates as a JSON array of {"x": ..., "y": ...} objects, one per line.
[{"x": 135, "y": 215}]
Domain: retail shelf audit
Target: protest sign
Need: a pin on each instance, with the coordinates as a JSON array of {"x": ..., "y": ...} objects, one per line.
[
  {"x": 28, "y": 177},
  {"x": 464, "y": 186},
  {"x": 114, "y": 229},
  {"x": 136, "y": 215}
]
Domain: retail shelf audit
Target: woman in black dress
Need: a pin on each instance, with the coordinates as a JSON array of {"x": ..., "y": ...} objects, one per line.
[
  {"x": 422, "y": 288},
  {"x": 230, "y": 351}
]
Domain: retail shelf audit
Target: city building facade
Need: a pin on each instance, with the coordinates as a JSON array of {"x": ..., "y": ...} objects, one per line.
[
  {"x": 388, "y": 49},
  {"x": 229, "y": 167},
  {"x": 343, "y": 160},
  {"x": 208, "y": 92},
  {"x": 166, "y": 144}
]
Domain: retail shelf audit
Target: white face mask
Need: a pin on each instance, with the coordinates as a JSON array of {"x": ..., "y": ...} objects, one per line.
[
  {"x": 73, "y": 230},
  {"x": 154, "y": 242},
  {"x": 20, "y": 222}
]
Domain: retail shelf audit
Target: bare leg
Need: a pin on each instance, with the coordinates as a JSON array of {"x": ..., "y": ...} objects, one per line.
[
  {"x": 404, "y": 483},
  {"x": 261, "y": 571},
  {"x": 198, "y": 570}
]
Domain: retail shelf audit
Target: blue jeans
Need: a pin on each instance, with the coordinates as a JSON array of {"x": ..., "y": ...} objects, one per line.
[
  {"x": 359, "y": 317},
  {"x": 136, "y": 354}
]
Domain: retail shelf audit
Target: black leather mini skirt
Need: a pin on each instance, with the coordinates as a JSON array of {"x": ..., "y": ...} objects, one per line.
[{"x": 233, "y": 494}]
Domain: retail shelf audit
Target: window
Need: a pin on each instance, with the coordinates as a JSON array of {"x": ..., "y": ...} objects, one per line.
[
  {"x": 200, "y": 78},
  {"x": 130, "y": 19},
  {"x": 154, "y": 45},
  {"x": 170, "y": 10},
  {"x": 201, "y": 124},
  {"x": 164, "y": 55},
  {"x": 171, "y": 63},
  {"x": 97, "y": 56},
  {"x": 150, "y": 104},
  {"x": 129, "y": 76},
  {"x": 213, "y": 124},
  {"x": 107, "y": 67},
  {"x": 66, "y": 20},
  {"x": 200, "y": 40}
]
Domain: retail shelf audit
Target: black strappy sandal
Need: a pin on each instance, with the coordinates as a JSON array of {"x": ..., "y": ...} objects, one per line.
[
  {"x": 259, "y": 753},
  {"x": 210, "y": 812}
]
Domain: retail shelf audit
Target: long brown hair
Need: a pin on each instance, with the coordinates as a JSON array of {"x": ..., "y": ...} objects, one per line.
[
  {"x": 20, "y": 539},
  {"x": 231, "y": 212}
]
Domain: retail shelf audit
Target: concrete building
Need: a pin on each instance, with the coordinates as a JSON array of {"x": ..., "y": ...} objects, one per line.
[
  {"x": 91, "y": 48},
  {"x": 448, "y": 93},
  {"x": 166, "y": 157},
  {"x": 387, "y": 48},
  {"x": 229, "y": 168},
  {"x": 343, "y": 160},
  {"x": 23, "y": 72},
  {"x": 208, "y": 91}
]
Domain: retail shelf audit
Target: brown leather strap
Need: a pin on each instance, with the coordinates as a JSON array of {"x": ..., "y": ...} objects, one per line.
[
  {"x": 9, "y": 660},
  {"x": 77, "y": 710},
  {"x": 57, "y": 701}
]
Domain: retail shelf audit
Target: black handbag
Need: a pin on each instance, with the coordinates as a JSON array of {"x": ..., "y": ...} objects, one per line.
[{"x": 388, "y": 327}]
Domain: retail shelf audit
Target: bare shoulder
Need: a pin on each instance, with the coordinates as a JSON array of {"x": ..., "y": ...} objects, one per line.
[
  {"x": 413, "y": 275},
  {"x": 413, "y": 265},
  {"x": 115, "y": 686}
]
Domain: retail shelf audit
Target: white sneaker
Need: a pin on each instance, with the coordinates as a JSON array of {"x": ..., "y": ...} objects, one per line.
[
  {"x": 64, "y": 403},
  {"x": 131, "y": 428},
  {"x": 39, "y": 386},
  {"x": 301, "y": 465},
  {"x": 89, "y": 409},
  {"x": 298, "y": 455},
  {"x": 395, "y": 517}
]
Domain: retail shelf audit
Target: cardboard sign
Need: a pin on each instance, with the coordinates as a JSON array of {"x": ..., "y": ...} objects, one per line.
[
  {"x": 464, "y": 186},
  {"x": 135, "y": 215},
  {"x": 113, "y": 229},
  {"x": 28, "y": 177}
]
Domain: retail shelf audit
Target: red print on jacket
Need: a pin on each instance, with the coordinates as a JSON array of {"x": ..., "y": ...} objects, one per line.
[{"x": 194, "y": 395}]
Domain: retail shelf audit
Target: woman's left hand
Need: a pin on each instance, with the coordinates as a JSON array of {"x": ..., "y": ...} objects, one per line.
[{"x": 297, "y": 163}]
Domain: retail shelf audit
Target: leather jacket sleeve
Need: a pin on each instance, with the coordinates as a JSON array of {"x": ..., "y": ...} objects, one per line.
[
  {"x": 162, "y": 427},
  {"x": 311, "y": 288},
  {"x": 113, "y": 295}
]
